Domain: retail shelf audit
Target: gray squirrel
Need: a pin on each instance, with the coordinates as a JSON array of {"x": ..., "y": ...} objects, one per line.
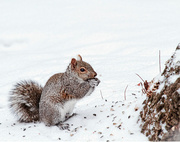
[{"x": 54, "y": 103}]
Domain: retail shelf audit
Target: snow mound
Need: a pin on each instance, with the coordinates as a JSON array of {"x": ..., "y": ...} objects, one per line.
[{"x": 161, "y": 109}]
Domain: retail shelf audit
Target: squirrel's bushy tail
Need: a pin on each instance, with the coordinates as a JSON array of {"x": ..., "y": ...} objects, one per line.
[{"x": 24, "y": 101}]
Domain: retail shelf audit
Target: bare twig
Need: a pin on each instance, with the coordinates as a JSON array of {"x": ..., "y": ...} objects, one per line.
[
  {"x": 145, "y": 84},
  {"x": 125, "y": 92},
  {"x": 159, "y": 61},
  {"x": 139, "y": 77},
  {"x": 101, "y": 95}
]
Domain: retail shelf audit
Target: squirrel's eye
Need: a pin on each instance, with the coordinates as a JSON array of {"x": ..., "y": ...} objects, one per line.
[{"x": 82, "y": 69}]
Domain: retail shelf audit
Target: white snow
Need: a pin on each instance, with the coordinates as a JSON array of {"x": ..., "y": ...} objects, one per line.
[
  {"x": 173, "y": 78},
  {"x": 178, "y": 90},
  {"x": 118, "y": 38},
  {"x": 161, "y": 86},
  {"x": 177, "y": 56}
]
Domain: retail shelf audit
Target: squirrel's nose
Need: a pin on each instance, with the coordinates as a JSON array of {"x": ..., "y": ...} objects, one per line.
[{"x": 95, "y": 74}]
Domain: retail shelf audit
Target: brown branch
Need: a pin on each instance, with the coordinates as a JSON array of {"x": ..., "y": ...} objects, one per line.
[
  {"x": 145, "y": 84},
  {"x": 139, "y": 77},
  {"x": 125, "y": 92},
  {"x": 101, "y": 95},
  {"x": 159, "y": 61}
]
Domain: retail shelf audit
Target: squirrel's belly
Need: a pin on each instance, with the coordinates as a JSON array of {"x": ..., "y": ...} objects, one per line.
[{"x": 67, "y": 109}]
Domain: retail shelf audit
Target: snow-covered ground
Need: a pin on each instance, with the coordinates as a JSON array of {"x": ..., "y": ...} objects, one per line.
[{"x": 118, "y": 38}]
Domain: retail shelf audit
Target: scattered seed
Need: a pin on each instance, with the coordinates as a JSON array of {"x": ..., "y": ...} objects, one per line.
[
  {"x": 106, "y": 100},
  {"x": 71, "y": 135},
  {"x": 76, "y": 129},
  {"x": 114, "y": 118},
  {"x": 94, "y": 114},
  {"x": 101, "y": 136},
  {"x": 131, "y": 133},
  {"x": 123, "y": 112},
  {"x": 24, "y": 129},
  {"x": 24, "y": 136},
  {"x": 59, "y": 138},
  {"x": 122, "y": 104},
  {"x": 114, "y": 123},
  {"x": 100, "y": 133},
  {"x": 112, "y": 109},
  {"x": 111, "y": 135},
  {"x": 84, "y": 117},
  {"x": 136, "y": 108},
  {"x": 119, "y": 126},
  {"x": 129, "y": 116},
  {"x": 107, "y": 127},
  {"x": 107, "y": 116}
]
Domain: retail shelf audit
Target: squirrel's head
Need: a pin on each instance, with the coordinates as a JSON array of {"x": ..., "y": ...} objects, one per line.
[{"x": 82, "y": 69}]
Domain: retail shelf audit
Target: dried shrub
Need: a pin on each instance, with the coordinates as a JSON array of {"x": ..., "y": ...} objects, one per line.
[{"x": 161, "y": 109}]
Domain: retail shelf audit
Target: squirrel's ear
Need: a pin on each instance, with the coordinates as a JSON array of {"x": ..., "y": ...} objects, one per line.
[
  {"x": 79, "y": 58},
  {"x": 73, "y": 63}
]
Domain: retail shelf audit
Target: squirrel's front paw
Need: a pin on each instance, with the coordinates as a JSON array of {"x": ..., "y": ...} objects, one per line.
[{"x": 94, "y": 82}]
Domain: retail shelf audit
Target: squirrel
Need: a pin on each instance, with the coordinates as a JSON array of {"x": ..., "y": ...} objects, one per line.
[{"x": 53, "y": 104}]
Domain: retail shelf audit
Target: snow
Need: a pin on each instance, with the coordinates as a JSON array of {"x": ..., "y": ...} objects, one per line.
[
  {"x": 118, "y": 38},
  {"x": 176, "y": 58},
  {"x": 173, "y": 78},
  {"x": 161, "y": 86},
  {"x": 178, "y": 90}
]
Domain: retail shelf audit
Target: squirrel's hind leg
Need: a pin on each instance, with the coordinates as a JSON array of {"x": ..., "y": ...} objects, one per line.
[{"x": 63, "y": 126}]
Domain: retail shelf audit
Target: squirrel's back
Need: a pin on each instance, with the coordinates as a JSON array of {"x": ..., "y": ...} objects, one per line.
[{"x": 24, "y": 101}]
